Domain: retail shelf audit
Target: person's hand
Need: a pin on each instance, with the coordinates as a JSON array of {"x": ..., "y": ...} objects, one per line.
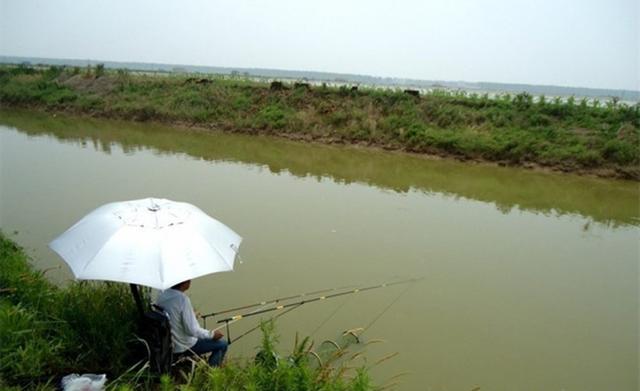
[{"x": 217, "y": 335}]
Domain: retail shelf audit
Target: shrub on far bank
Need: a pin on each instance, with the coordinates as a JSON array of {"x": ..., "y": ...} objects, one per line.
[{"x": 539, "y": 130}]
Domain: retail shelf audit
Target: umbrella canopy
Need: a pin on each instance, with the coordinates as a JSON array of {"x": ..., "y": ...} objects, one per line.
[{"x": 151, "y": 242}]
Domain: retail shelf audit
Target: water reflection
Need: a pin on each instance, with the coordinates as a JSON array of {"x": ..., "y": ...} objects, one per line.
[{"x": 609, "y": 202}]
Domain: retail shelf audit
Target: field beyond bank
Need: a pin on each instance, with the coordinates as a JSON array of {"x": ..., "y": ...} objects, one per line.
[{"x": 568, "y": 135}]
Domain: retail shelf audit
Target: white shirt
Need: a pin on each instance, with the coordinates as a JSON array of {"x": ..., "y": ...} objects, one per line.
[{"x": 185, "y": 329}]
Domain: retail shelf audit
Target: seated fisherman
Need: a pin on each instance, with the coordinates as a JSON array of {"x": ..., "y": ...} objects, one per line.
[{"x": 187, "y": 335}]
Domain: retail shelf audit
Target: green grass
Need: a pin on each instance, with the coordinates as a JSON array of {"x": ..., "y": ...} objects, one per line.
[
  {"x": 47, "y": 332},
  {"x": 270, "y": 371},
  {"x": 518, "y": 129}
]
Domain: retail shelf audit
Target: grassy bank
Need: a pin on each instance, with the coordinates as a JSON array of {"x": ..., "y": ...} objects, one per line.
[
  {"x": 568, "y": 135},
  {"x": 47, "y": 332}
]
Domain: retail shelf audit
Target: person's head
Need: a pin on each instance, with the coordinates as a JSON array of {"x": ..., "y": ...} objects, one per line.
[{"x": 182, "y": 286}]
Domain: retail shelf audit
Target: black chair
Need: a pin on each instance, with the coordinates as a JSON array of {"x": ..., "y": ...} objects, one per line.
[{"x": 155, "y": 330}]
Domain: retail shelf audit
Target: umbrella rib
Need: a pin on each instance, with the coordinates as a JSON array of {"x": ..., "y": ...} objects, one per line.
[
  {"x": 93, "y": 258},
  {"x": 215, "y": 248},
  {"x": 161, "y": 267},
  {"x": 95, "y": 255}
]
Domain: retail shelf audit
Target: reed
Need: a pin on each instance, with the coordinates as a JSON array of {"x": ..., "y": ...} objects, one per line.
[{"x": 271, "y": 371}]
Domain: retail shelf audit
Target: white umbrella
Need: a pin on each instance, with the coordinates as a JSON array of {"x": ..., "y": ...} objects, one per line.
[{"x": 151, "y": 242}]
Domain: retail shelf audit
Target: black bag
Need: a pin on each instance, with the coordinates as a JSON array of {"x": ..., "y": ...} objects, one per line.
[{"x": 155, "y": 329}]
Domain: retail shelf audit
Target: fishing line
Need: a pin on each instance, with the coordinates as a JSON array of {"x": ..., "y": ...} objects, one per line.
[
  {"x": 387, "y": 308},
  {"x": 338, "y": 308}
]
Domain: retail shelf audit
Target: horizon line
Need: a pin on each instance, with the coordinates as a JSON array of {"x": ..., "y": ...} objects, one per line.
[{"x": 323, "y": 72}]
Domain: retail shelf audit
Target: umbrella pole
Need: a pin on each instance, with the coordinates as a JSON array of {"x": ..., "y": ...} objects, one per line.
[{"x": 137, "y": 298}]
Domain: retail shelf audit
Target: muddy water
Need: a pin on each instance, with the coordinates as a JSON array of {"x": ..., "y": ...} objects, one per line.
[{"x": 530, "y": 279}]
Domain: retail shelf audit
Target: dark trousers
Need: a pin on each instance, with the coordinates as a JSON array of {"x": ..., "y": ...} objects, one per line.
[{"x": 217, "y": 348}]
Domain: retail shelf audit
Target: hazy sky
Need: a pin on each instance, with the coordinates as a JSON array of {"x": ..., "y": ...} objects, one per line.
[{"x": 588, "y": 43}]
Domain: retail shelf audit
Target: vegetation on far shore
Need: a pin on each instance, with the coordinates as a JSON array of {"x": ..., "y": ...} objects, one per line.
[
  {"x": 47, "y": 332},
  {"x": 565, "y": 134}
]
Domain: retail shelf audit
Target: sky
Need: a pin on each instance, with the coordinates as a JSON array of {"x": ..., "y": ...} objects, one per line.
[{"x": 578, "y": 43}]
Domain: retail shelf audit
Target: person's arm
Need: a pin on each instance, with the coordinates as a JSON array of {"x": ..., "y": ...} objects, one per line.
[{"x": 191, "y": 323}]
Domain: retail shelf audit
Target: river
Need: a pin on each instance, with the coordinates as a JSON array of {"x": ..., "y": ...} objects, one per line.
[{"x": 529, "y": 279}]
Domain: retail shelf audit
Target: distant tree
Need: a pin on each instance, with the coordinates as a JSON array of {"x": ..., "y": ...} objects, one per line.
[
  {"x": 615, "y": 100},
  {"x": 485, "y": 99},
  {"x": 583, "y": 103},
  {"x": 612, "y": 104},
  {"x": 523, "y": 100},
  {"x": 542, "y": 100},
  {"x": 99, "y": 71}
]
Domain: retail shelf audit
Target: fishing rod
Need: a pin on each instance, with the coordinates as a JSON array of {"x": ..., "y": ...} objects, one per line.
[
  {"x": 251, "y": 330},
  {"x": 297, "y": 304},
  {"x": 274, "y": 301}
]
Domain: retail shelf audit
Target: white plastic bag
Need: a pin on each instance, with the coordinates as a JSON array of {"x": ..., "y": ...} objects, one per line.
[{"x": 84, "y": 382}]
